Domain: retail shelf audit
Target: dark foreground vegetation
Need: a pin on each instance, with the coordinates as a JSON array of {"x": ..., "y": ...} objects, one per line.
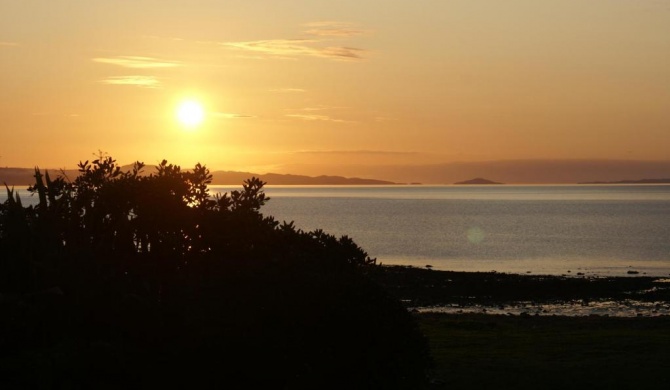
[
  {"x": 122, "y": 280},
  {"x": 529, "y": 351},
  {"x": 117, "y": 279},
  {"x": 478, "y": 351}
]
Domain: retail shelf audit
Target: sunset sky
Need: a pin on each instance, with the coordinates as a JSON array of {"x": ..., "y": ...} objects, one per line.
[{"x": 312, "y": 86}]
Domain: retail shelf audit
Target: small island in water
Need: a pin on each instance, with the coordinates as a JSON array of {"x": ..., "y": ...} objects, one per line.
[{"x": 478, "y": 180}]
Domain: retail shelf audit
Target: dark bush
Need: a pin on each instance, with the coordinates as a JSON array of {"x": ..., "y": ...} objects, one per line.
[{"x": 118, "y": 278}]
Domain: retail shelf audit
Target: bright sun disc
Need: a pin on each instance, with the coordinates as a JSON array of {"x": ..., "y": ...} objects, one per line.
[{"x": 190, "y": 113}]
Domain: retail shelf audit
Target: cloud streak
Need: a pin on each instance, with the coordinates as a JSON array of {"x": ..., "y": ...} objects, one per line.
[
  {"x": 292, "y": 48},
  {"x": 310, "y": 117},
  {"x": 318, "y": 45},
  {"x": 333, "y": 29},
  {"x": 315, "y": 108},
  {"x": 227, "y": 115},
  {"x": 135, "y": 62},
  {"x": 138, "y": 81},
  {"x": 358, "y": 152}
]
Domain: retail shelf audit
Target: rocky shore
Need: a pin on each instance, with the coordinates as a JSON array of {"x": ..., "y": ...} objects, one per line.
[
  {"x": 507, "y": 331},
  {"x": 499, "y": 293}
]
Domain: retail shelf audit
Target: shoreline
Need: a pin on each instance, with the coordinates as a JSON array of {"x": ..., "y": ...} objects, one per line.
[
  {"x": 451, "y": 292},
  {"x": 543, "y": 267}
]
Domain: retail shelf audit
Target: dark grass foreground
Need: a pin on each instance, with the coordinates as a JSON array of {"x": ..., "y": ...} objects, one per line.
[
  {"x": 120, "y": 280},
  {"x": 478, "y": 351}
]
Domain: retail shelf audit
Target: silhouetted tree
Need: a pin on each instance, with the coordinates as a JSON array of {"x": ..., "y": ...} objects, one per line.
[{"x": 148, "y": 279}]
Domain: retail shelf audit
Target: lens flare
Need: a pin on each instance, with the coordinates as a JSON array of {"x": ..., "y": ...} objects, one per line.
[{"x": 475, "y": 235}]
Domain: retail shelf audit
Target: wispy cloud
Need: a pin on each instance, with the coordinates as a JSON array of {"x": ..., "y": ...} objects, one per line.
[
  {"x": 315, "y": 113},
  {"x": 137, "y": 62},
  {"x": 311, "y": 117},
  {"x": 315, "y": 108},
  {"x": 291, "y": 48},
  {"x": 8, "y": 44},
  {"x": 288, "y": 90},
  {"x": 228, "y": 115},
  {"x": 341, "y": 53},
  {"x": 333, "y": 29},
  {"x": 279, "y": 47},
  {"x": 357, "y": 152},
  {"x": 138, "y": 81}
]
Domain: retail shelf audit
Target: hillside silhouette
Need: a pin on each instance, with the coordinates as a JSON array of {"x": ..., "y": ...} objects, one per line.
[
  {"x": 25, "y": 176},
  {"x": 532, "y": 171}
]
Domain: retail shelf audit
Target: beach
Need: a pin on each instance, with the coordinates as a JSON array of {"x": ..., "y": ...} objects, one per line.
[
  {"x": 495, "y": 330},
  {"x": 430, "y": 291}
]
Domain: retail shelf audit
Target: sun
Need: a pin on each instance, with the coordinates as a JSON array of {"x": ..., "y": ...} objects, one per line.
[{"x": 190, "y": 113}]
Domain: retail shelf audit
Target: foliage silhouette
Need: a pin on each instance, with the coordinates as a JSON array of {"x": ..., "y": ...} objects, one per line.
[{"x": 120, "y": 277}]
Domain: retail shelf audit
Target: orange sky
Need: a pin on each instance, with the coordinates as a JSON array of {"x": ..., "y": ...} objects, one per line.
[{"x": 297, "y": 84}]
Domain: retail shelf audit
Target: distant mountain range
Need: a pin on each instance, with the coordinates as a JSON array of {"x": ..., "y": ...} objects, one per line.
[
  {"x": 535, "y": 171},
  {"x": 231, "y": 177},
  {"x": 513, "y": 171},
  {"x": 24, "y": 176}
]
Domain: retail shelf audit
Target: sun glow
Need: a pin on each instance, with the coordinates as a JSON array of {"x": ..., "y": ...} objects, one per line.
[{"x": 190, "y": 113}]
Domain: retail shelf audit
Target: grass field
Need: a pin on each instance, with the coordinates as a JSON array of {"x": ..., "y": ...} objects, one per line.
[{"x": 476, "y": 351}]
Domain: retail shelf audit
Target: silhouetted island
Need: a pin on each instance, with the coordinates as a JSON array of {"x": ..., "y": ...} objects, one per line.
[
  {"x": 641, "y": 181},
  {"x": 478, "y": 180}
]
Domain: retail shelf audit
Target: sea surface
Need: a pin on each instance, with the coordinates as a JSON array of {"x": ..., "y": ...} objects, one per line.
[{"x": 548, "y": 229}]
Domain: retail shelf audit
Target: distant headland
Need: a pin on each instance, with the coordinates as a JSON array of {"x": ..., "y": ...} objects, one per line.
[
  {"x": 478, "y": 181},
  {"x": 24, "y": 176},
  {"x": 230, "y": 177}
]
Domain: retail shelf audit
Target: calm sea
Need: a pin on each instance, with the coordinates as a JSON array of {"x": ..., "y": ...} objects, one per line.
[
  {"x": 603, "y": 230},
  {"x": 570, "y": 229}
]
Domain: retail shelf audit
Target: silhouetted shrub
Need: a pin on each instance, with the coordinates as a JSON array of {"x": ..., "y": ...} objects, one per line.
[{"x": 118, "y": 278}]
